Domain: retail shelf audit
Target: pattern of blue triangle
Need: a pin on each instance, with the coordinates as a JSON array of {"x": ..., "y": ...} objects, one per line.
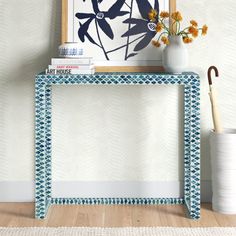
[{"x": 43, "y": 138}]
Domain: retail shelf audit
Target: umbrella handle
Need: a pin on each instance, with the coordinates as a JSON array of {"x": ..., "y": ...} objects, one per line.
[{"x": 209, "y": 73}]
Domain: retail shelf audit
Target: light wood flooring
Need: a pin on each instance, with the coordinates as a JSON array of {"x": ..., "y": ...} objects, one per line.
[{"x": 22, "y": 215}]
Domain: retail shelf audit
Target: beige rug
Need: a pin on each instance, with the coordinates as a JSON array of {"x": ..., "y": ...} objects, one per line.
[{"x": 131, "y": 231}]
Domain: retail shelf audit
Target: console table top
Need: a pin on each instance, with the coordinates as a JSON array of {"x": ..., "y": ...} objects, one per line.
[{"x": 188, "y": 78}]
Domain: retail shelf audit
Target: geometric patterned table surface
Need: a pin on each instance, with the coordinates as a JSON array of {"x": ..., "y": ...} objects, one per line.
[{"x": 122, "y": 78}]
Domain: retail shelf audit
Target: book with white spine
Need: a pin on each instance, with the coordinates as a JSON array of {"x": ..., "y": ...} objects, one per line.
[
  {"x": 78, "y": 67},
  {"x": 70, "y": 71},
  {"x": 72, "y": 61}
]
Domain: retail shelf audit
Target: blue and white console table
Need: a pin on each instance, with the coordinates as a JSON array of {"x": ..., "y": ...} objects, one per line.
[{"x": 43, "y": 84}]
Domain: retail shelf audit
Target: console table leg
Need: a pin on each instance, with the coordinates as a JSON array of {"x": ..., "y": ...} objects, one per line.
[
  {"x": 187, "y": 143},
  {"x": 48, "y": 137},
  {"x": 195, "y": 203},
  {"x": 40, "y": 150},
  {"x": 192, "y": 185}
]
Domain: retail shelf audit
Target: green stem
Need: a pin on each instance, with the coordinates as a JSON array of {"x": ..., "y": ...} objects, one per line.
[
  {"x": 185, "y": 29},
  {"x": 161, "y": 35},
  {"x": 166, "y": 28},
  {"x": 178, "y": 23},
  {"x": 172, "y": 27},
  {"x": 182, "y": 32}
]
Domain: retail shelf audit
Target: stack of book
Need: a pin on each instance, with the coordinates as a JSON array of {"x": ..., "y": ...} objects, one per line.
[{"x": 71, "y": 66}]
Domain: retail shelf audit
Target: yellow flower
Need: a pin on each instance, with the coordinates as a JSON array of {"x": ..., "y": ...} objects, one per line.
[
  {"x": 204, "y": 29},
  {"x": 191, "y": 29},
  {"x": 187, "y": 40},
  {"x": 176, "y": 16},
  {"x": 164, "y": 14},
  {"x": 156, "y": 43},
  {"x": 165, "y": 40},
  {"x": 194, "y": 31},
  {"x": 159, "y": 27},
  {"x": 194, "y": 23},
  {"x": 152, "y": 14}
]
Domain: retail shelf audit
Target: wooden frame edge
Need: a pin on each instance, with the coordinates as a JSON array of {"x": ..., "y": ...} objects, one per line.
[
  {"x": 172, "y": 8},
  {"x": 129, "y": 69},
  {"x": 64, "y": 21}
]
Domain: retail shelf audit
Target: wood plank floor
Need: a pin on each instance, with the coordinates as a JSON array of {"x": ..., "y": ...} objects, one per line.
[{"x": 22, "y": 215}]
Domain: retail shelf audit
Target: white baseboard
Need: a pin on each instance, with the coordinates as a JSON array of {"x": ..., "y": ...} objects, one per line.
[{"x": 23, "y": 191}]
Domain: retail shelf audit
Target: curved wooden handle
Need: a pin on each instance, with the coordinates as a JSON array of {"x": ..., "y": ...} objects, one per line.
[{"x": 209, "y": 73}]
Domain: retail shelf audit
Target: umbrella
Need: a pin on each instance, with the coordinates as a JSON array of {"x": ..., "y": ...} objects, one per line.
[{"x": 214, "y": 108}]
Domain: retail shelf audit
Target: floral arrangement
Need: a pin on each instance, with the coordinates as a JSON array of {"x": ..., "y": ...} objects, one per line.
[{"x": 188, "y": 33}]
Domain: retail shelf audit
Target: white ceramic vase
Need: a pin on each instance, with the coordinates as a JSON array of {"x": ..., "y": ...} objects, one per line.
[
  {"x": 70, "y": 49},
  {"x": 175, "y": 55}
]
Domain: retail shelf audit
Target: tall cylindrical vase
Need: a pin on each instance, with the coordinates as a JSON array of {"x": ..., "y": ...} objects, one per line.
[
  {"x": 223, "y": 165},
  {"x": 175, "y": 55}
]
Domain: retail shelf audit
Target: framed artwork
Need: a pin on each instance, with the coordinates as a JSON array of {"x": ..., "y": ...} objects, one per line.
[{"x": 114, "y": 32}]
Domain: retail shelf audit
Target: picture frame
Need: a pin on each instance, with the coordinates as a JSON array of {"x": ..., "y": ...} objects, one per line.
[{"x": 137, "y": 61}]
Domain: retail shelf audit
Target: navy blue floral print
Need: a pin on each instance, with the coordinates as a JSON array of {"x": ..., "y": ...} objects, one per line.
[
  {"x": 143, "y": 25},
  {"x": 100, "y": 18}
]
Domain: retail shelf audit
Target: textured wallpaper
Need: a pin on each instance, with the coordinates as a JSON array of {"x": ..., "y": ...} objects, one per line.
[
  {"x": 108, "y": 133},
  {"x": 117, "y": 133},
  {"x": 30, "y": 34}
]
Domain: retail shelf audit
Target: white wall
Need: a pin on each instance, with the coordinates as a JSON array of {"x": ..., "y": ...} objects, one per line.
[
  {"x": 219, "y": 49},
  {"x": 29, "y": 36}
]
